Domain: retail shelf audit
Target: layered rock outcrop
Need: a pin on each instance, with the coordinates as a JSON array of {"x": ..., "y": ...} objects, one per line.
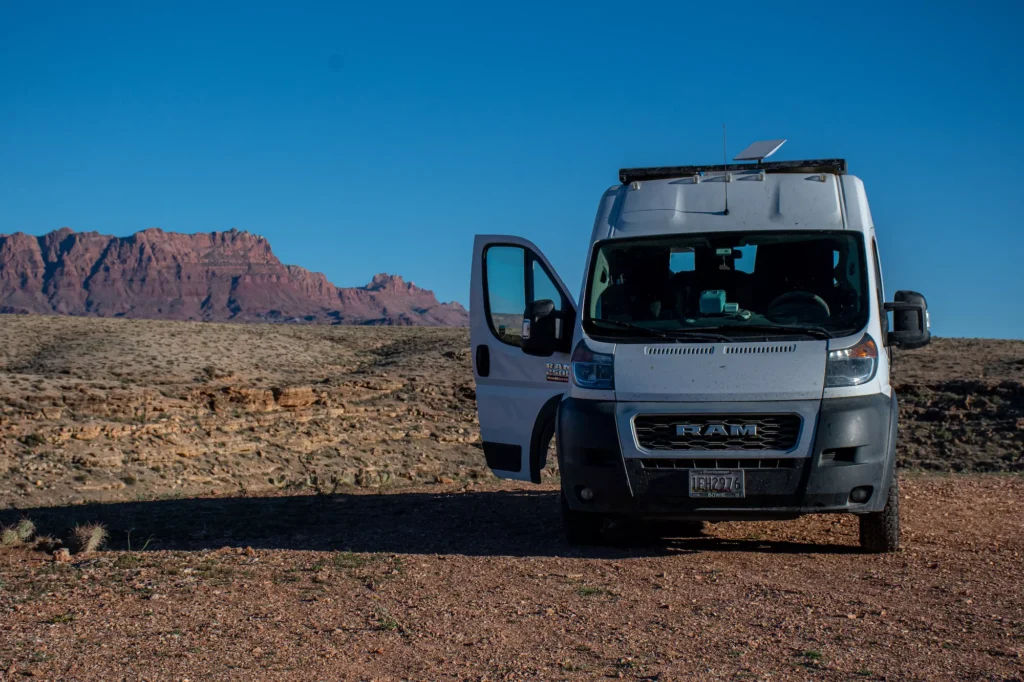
[{"x": 215, "y": 276}]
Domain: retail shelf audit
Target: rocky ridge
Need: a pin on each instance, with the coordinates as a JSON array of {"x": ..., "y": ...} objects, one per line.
[{"x": 215, "y": 276}]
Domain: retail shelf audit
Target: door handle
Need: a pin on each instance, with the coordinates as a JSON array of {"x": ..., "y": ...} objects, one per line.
[{"x": 483, "y": 360}]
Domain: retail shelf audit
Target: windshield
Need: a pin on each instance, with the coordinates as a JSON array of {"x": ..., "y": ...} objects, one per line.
[{"x": 733, "y": 284}]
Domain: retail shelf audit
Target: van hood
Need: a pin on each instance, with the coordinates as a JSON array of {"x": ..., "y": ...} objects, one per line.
[{"x": 737, "y": 371}]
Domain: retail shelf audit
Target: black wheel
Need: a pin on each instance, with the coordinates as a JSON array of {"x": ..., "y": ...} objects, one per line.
[
  {"x": 581, "y": 528},
  {"x": 880, "y": 531},
  {"x": 690, "y": 529}
]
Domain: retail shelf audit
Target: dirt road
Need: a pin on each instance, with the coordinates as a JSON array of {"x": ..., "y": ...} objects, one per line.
[{"x": 426, "y": 583}]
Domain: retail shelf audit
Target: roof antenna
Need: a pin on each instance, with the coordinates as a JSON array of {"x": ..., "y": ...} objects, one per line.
[{"x": 725, "y": 167}]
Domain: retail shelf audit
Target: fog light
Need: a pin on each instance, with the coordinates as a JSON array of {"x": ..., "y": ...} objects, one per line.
[
  {"x": 586, "y": 494},
  {"x": 861, "y": 494}
]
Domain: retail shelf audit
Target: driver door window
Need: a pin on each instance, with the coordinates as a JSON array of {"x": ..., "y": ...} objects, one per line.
[{"x": 513, "y": 278}]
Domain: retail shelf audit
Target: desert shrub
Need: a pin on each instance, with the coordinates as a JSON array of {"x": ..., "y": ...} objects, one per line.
[{"x": 45, "y": 543}]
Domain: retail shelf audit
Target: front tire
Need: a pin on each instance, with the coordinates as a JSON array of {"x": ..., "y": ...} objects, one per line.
[
  {"x": 581, "y": 528},
  {"x": 880, "y": 531}
]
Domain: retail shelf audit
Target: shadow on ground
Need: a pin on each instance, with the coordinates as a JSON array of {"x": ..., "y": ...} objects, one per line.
[{"x": 477, "y": 523}]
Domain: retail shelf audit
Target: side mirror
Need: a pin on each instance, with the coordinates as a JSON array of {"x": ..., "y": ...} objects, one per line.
[
  {"x": 544, "y": 329},
  {"x": 911, "y": 326}
]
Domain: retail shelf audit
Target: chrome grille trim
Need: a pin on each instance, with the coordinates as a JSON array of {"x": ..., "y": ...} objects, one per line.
[{"x": 776, "y": 432}]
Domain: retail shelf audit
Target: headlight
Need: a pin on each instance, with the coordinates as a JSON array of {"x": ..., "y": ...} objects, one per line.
[
  {"x": 852, "y": 366},
  {"x": 592, "y": 370}
]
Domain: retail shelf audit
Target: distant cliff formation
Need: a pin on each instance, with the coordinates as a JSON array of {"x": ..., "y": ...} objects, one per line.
[{"x": 214, "y": 276}]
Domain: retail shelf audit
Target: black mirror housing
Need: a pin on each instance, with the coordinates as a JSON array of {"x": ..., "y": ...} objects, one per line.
[
  {"x": 546, "y": 330},
  {"x": 911, "y": 327}
]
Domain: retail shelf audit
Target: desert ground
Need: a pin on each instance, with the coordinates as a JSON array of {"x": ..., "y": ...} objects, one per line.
[{"x": 289, "y": 502}]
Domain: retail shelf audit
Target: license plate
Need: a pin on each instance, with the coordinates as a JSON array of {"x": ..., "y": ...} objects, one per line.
[{"x": 717, "y": 483}]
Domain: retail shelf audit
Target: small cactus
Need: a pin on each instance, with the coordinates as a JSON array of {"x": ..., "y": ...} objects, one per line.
[
  {"x": 9, "y": 537},
  {"x": 25, "y": 529},
  {"x": 89, "y": 537}
]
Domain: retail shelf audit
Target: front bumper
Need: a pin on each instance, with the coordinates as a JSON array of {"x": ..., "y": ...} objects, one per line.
[{"x": 852, "y": 445}]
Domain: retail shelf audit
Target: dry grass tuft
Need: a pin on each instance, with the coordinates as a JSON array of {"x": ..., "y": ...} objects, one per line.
[
  {"x": 46, "y": 543},
  {"x": 88, "y": 538}
]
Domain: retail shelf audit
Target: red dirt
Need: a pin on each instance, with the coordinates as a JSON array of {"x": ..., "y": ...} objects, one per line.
[{"x": 477, "y": 584}]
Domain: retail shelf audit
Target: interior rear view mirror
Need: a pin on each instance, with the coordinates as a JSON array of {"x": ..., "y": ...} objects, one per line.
[{"x": 911, "y": 326}]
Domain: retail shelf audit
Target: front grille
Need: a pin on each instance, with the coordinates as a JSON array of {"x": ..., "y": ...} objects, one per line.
[
  {"x": 689, "y": 463},
  {"x": 774, "y": 432}
]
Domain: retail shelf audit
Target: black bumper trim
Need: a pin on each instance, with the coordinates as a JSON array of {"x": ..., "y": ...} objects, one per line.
[{"x": 863, "y": 429}]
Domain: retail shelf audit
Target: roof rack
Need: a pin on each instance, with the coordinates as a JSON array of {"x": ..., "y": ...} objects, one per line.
[{"x": 837, "y": 166}]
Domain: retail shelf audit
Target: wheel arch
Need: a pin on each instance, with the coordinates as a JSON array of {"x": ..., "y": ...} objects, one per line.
[{"x": 543, "y": 432}]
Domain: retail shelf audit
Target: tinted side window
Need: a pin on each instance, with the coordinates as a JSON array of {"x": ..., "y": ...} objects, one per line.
[
  {"x": 505, "y": 289},
  {"x": 543, "y": 286},
  {"x": 513, "y": 277}
]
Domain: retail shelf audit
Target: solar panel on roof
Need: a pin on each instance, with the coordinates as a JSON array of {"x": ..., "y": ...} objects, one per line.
[{"x": 759, "y": 150}]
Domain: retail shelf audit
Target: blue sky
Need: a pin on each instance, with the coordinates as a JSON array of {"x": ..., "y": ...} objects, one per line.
[{"x": 371, "y": 137}]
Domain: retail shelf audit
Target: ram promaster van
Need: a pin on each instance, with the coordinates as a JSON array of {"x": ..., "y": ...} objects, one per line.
[{"x": 728, "y": 358}]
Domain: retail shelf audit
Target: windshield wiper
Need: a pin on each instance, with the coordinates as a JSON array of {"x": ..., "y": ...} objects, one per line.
[
  {"x": 629, "y": 325},
  {"x": 672, "y": 335},
  {"x": 816, "y": 332},
  {"x": 694, "y": 334}
]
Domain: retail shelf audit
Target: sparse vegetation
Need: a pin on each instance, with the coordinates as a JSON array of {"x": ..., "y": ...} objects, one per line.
[
  {"x": 351, "y": 560},
  {"x": 46, "y": 543},
  {"x": 590, "y": 591},
  {"x": 127, "y": 561},
  {"x": 385, "y": 621},
  {"x": 32, "y": 440}
]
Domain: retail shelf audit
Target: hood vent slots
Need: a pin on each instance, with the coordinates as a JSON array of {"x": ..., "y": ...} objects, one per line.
[
  {"x": 749, "y": 350},
  {"x": 679, "y": 350}
]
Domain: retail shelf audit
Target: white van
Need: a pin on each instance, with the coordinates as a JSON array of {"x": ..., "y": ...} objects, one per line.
[{"x": 728, "y": 358}]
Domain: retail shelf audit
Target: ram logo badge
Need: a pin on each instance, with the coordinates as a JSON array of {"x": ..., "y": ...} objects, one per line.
[
  {"x": 557, "y": 371},
  {"x": 716, "y": 429}
]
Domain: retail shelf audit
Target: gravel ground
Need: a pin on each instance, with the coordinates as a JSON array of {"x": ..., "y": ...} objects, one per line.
[{"x": 475, "y": 583}]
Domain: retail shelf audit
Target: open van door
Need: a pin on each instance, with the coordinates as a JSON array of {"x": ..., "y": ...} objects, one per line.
[{"x": 521, "y": 325}]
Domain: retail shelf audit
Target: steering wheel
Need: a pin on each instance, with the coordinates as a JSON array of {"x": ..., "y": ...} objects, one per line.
[{"x": 801, "y": 305}]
